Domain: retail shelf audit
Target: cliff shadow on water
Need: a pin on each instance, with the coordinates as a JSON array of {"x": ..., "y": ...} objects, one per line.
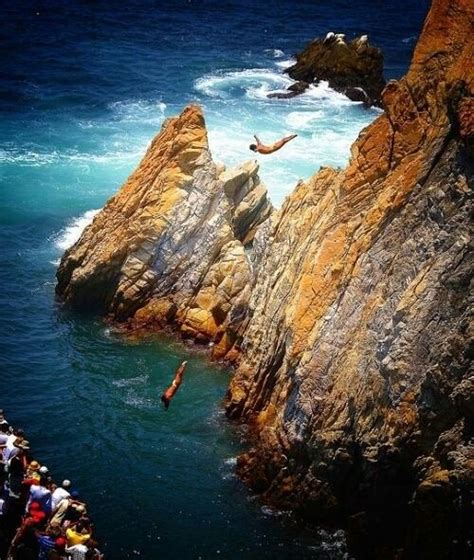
[{"x": 345, "y": 312}]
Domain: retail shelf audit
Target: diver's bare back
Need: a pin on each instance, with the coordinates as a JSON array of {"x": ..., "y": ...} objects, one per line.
[{"x": 264, "y": 149}]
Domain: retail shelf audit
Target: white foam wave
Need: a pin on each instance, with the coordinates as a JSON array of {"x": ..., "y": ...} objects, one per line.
[
  {"x": 115, "y": 157},
  {"x": 322, "y": 93},
  {"x": 256, "y": 83},
  {"x": 303, "y": 120},
  {"x": 28, "y": 157},
  {"x": 276, "y": 53},
  {"x": 71, "y": 233},
  {"x": 32, "y": 158},
  {"x": 228, "y": 468},
  {"x": 138, "y": 110},
  {"x": 285, "y": 63},
  {"x": 271, "y": 512},
  {"x": 409, "y": 39}
]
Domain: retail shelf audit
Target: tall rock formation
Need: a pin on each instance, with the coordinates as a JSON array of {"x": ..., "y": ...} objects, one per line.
[
  {"x": 355, "y": 359},
  {"x": 170, "y": 249},
  {"x": 347, "y": 310}
]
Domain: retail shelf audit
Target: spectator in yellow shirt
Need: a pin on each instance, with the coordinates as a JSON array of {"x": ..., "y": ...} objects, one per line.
[{"x": 78, "y": 534}]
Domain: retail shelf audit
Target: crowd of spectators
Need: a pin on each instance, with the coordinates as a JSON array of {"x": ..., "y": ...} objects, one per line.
[{"x": 39, "y": 519}]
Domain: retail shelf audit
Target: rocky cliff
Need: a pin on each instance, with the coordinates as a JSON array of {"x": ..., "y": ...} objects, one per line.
[
  {"x": 355, "y": 369},
  {"x": 354, "y": 68},
  {"x": 170, "y": 249},
  {"x": 347, "y": 310}
]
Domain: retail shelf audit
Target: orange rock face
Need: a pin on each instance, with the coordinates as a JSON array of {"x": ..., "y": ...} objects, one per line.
[
  {"x": 347, "y": 311},
  {"x": 359, "y": 337},
  {"x": 170, "y": 248}
]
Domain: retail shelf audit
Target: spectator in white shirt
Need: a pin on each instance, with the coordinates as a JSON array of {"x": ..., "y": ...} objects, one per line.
[{"x": 60, "y": 493}]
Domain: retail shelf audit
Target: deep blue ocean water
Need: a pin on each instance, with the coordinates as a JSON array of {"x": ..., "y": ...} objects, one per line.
[{"x": 84, "y": 87}]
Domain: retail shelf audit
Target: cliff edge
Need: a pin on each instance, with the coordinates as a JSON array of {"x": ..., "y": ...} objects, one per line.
[
  {"x": 355, "y": 370},
  {"x": 170, "y": 249},
  {"x": 347, "y": 311}
]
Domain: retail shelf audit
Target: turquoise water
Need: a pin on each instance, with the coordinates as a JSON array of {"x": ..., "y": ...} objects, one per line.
[{"x": 85, "y": 87}]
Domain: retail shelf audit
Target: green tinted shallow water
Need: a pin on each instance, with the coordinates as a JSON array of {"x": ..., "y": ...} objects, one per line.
[{"x": 159, "y": 483}]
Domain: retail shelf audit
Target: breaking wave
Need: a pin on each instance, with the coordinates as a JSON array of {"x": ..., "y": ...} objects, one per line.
[
  {"x": 253, "y": 83},
  {"x": 137, "y": 110},
  {"x": 71, "y": 233}
]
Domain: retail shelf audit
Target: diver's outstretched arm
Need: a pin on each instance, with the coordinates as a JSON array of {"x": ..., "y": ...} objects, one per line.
[{"x": 179, "y": 372}]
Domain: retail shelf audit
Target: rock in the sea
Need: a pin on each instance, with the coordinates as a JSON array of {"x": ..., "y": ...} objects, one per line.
[
  {"x": 356, "y": 367},
  {"x": 354, "y": 68},
  {"x": 172, "y": 247},
  {"x": 291, "y": 91},
  {"x": 348, "y": 310}
]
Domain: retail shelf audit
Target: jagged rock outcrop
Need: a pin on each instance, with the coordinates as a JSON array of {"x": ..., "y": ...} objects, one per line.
[
  {"x": 348, "y": 310},
  {"x": 356, "y": 358},
  {"x": 171, "y": 247},
  {"x": 354, "y": 68}
]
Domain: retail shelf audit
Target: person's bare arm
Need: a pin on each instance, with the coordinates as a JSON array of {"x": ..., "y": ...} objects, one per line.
[
  {"x": 257, "y": 139},
  {"x": 179, "y": 373}
]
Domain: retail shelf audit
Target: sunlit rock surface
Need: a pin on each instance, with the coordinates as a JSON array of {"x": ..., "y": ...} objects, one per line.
[
  {"x": 355, "y": 360},
  {"x": 347, "y": 310},
  {"x": 170, "y": 249}
]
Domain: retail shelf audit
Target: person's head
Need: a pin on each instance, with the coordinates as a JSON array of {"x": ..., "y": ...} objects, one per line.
[
  {"x": 34, "y": 506},
  {"x": 44, "y": 470},
  {"x": 4, "y": 426},
  {"x": 34, "y": 466},
  {"x": 165, "y": 401},
  {"x": 19, "y": 433},
  {"x": 60, "y": 543},
  {"x": 39, "y": 517},
  {"x": 253, "y": 147},
  {"x": 74, "y": 494},
  {"x": 66, "y": 484},
  {"x": 80, "y": 526},
  {"x": 22, "y": 445}
]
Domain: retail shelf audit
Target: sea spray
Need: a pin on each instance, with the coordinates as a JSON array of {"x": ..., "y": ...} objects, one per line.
[{"x": 71, "y": 233}]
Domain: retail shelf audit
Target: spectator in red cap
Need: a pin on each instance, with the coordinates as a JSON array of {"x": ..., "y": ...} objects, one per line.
[{"x": 59, "y": 550}]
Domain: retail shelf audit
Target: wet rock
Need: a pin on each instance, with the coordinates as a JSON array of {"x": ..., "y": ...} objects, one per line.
[
  {"x": 361, "y": 302},
  {"x": 354, "y": 68},
  {"x": 292, "y": 91}
]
